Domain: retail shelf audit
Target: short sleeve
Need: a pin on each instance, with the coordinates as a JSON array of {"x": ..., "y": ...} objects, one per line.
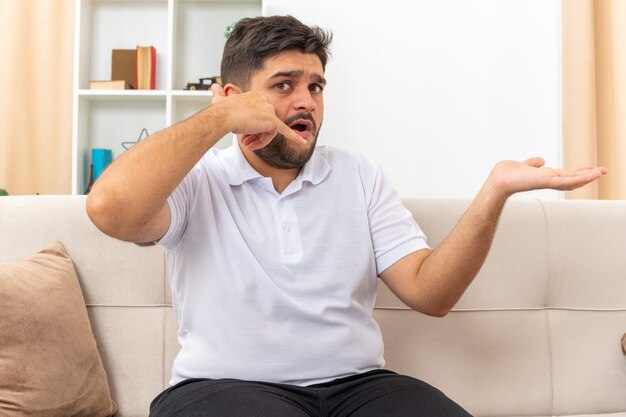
[
  {"x": 180, "y": 202},
  {"x": 394, "y": 232}
]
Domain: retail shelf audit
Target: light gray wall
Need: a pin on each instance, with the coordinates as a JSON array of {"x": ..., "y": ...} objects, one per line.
[{"x": 437, "y": 91}]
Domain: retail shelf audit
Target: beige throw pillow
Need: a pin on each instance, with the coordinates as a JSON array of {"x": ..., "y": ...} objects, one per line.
[{"x": 49, "y": 362}]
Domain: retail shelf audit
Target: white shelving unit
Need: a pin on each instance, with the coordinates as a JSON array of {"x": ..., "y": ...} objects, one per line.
[{"x": 188, "y": 36}]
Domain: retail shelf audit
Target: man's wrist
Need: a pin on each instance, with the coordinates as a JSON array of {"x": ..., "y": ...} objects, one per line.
[
  {"x": 213, "y": 121},
  {"x": 494, "y": 192}
]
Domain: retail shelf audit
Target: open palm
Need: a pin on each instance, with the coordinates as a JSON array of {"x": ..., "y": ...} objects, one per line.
[{"x": 509, "y": 177}]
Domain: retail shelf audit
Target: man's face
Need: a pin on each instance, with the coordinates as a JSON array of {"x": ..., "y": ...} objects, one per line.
[{"x": 293, "y": 82}]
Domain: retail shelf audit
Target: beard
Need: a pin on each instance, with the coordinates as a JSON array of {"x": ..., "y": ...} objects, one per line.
[{"x": 279, "y": 153}]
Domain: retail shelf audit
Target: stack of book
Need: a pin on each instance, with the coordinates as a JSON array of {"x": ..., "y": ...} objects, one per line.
[{"x": 130, "y": 69}]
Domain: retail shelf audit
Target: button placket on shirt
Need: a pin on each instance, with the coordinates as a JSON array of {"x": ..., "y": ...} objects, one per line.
[{"x": 287, "y": 228}]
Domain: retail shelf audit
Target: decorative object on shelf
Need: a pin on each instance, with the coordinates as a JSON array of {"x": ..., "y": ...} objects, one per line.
[
  {"x": 124, "y": 66},
  {"x": 3, "y": 192},
  {"x": 100, "y": 158},
  {"x": 204, "y": 83},
  {"x": 146, "y": 67},
  {"x": 128, "y": 145},
  {"x": 229, "y": 29}
]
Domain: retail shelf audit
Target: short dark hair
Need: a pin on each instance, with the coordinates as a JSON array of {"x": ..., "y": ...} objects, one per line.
[{"x": 253, "y": 40}]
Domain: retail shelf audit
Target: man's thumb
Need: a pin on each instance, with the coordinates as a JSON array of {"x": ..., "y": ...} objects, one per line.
[
  {"x": 535, "y": 162},
  {"x": 217, "y": 90}
]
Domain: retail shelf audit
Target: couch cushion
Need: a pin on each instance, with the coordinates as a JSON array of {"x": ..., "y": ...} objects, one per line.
[
  {"x": 49, "y": 362},
  {"x": 478, "y": 358},
  {"x": 589, "y": 366}
]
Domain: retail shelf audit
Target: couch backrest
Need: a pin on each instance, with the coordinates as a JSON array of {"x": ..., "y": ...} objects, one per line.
[{"x": 537, "y": 334}]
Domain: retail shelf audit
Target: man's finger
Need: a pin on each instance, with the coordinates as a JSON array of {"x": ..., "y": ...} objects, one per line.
[
  {"x": 535, "y": 162},
  {"x": 286, "y": 131},
  {"x": 581, "y": 171},
  {"x": 248, "y": 139},
  {"x": 217, "y": 90},
  {"x": 576, "y": 181},
  {"x": 583, "y": 168}
]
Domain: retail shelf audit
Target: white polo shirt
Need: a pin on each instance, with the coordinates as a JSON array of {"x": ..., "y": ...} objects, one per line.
[{"x": 281, "y": 287}]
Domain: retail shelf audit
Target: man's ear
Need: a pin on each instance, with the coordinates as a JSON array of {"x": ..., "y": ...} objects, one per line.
[{"x": 230, "y": 89}]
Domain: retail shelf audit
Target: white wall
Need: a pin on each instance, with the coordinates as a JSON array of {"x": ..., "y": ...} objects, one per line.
[{"x": 437, "y": 91}]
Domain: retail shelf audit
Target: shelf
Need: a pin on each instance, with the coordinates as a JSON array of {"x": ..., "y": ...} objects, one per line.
[
  {"x": 126, "y": 95},
  {"x": 145, "y": 95},
  {"x": 194, "y": 96},
  {"x": 189, "y": 38}
]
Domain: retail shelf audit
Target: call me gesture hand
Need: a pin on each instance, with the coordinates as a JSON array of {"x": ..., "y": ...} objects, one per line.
[{"x": 253, "y": 117}]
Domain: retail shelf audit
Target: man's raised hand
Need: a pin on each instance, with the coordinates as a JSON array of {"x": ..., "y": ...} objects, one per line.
[
  {"x": 509, "y": 177},
  {"x": 253, "y": 117}
]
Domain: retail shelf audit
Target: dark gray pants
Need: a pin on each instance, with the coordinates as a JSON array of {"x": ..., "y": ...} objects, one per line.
[{"x": 377, "y": 393}]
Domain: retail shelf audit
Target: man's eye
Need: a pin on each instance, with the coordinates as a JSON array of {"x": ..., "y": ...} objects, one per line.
[
  {"x": 316, "y": 88},
  {"x": 283, "y": 86}
]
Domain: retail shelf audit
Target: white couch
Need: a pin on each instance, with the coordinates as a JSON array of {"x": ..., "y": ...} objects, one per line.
[{"x": 537, "y": 334}]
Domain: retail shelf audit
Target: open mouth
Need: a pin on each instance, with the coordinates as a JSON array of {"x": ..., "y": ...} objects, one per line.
[{"x": 302, "y": 127}]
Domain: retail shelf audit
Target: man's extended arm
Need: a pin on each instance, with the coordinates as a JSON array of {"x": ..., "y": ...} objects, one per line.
[
  {"x": 433, "y": 281},
  {"x": 129, "y": 200}
]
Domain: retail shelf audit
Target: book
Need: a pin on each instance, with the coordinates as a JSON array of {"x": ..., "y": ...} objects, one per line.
[
  {"x": 123, "y": 66},
  {"x": 109, "y": 85},
  {"x": 146, "y": 67}
]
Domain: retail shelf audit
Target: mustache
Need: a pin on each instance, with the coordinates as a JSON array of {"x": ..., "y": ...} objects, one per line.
[{"x": 301, "y": 116}]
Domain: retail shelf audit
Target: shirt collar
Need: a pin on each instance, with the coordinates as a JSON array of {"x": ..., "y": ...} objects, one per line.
[
  {"x": 315, "y": 170},
  {"x": 238, "y": 170},
  {"x": 236, "y": 166}
]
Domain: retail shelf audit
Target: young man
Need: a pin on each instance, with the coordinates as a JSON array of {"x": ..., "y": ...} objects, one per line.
[{"x": 275, "y": 245}]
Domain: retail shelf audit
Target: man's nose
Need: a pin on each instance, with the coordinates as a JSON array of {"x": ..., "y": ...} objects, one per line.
[{"x": 303, "y": 99}]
